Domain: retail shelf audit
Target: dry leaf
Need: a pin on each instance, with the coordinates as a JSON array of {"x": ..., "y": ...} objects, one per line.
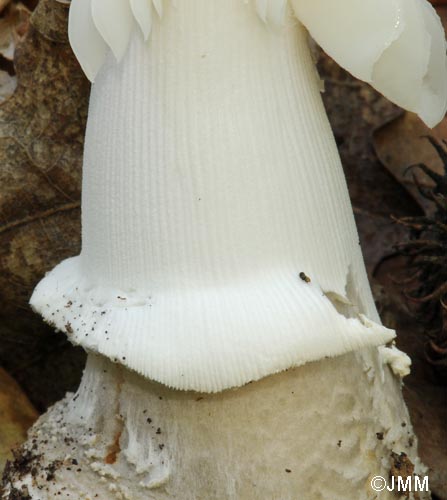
[
  {"x": 16, "y": 416},
  {"x": 403, "y": 142},
  {"x": 14, "y": 20},
  {"x": 41, "y": 143}
]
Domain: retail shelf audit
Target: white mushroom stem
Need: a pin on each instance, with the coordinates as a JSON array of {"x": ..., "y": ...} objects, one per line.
[
  {"x": 211, "y": 182},
  {"x": 219, "y": 249},
  {"x": 323, "y": 430}
]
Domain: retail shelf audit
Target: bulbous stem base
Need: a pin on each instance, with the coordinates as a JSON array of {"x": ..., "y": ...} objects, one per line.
[{"x": 322, "y": 430}]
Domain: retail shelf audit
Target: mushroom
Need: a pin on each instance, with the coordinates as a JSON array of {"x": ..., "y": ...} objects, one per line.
[{"x": 221, "y": 291}]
